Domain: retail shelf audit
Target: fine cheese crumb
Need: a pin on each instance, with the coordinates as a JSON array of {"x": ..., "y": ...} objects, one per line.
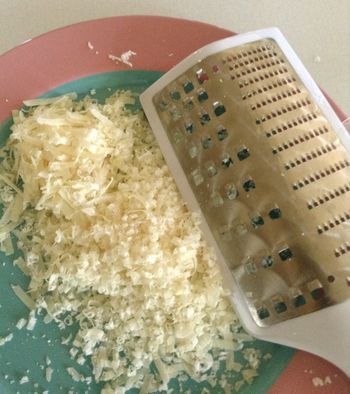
[{"x": 90, "y": 46}]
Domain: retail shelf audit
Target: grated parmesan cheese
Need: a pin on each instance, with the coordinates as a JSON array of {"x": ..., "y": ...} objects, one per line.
[{"x": 113, "y": 244}]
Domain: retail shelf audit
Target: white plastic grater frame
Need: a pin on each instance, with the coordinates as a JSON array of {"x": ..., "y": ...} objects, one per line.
[{"x": 325, "y": 332}]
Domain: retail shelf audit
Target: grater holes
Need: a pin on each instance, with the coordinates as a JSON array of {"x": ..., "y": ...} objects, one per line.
[
  {"x": 328, "y": 196},
  {"x": 283, "y": 110},
  {"x": 249, "y": 185},
  {"x": 193, "y": 152},
  {"x": 288, "y": 125},
  {"x": 188, "y": 86},
  {"x": 175, "y": 113},
  {"x": 263, "y": 313},
  {"x": 241, "y": 229},
  {"x": 314, "y": 154},
  {"x": 275, "y": 98},
  {"x": 177, "y": 136},
  {"x": 202, "y": 76},
  {"x": 217, "y": 200},
  {"x": 231, "y": 191},
  {"x": 267, "y": 261},
  {"x": 316, "y": 289},
  {"x": 275, "y": 213},
  {"x": 321, "y": 174},
  {"x": 211, "y": 169},
  {"x": 175, "y": 95},
  {"x": 279, "y": 305},
  {"x": 202, "y": 95},
  {"x": 342, "y": 218},
  {"x": 221, "y": 132},
  {"x": 285, "y": 254},
  {"x": 215, "y": 69},
  {"x": 342, "y": 249},
  {"x": 207, "y": 142},
  {"x": 190, "y": 127},
  {"x": 298, "y": 299},
  {"x": 163, "y": 105},
  {"x": 197, "y": 177},
  {"x": 265, "y": 88},
  {"x": 227, "y": 162},
  {"x": 243, "y": 153},
  {"x": 188, "y": 104},
  {"x": 218, "y": 108},
  {"x": 331, "y": 278},
  {"x": 300, "y": 139},
  {"x": 257, "y": 221},
  {"x": 347, "y": 281},
  {"x": 250, "y": 267},
  {"x": 204, "y": 117}
]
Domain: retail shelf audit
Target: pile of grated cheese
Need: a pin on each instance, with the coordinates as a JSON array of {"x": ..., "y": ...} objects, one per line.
[{"x": 107, "y": 238}]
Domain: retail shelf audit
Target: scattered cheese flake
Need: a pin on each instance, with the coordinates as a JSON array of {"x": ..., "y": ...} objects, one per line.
[
  {"x": 21, "y": 323},
  {"x": 31, "y": 321},
  {"x": 90, "y": 46},
  {"x": 73, "y": 352},
  {"x": 75, "y": 375},
  {"x": 48, "y": 374},
  {"x": 123, "y": 58},
  {"x": 8, "y": 338},
  {"x": 81, "y": 360},
  {"x": 65, "y": 341},
  {"x": 318, "y": 381},
  {"x": 24, "y": 380}
]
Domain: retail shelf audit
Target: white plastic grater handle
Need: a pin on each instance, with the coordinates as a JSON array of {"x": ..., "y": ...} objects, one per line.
[{"x": 325, "y": 333}]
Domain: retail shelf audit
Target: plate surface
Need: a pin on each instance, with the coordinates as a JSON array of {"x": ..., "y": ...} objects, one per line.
[{"x": 63, "y": 61}]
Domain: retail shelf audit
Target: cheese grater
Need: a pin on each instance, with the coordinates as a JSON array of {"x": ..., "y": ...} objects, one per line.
[{"x": 258, "y": 152}]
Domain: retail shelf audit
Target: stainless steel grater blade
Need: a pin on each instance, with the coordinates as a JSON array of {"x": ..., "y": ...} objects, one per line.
[{"x": 256, "y": 149}]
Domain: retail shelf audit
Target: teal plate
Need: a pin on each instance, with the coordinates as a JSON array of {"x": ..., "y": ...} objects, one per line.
[{"x": 25, "y": 355}]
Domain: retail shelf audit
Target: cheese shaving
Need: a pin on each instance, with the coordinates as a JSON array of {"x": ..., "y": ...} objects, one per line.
[{"x": 112, "y": 245}]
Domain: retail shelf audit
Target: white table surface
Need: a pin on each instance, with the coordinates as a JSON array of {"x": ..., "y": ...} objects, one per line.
[{"x": 319, "y": 30}]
